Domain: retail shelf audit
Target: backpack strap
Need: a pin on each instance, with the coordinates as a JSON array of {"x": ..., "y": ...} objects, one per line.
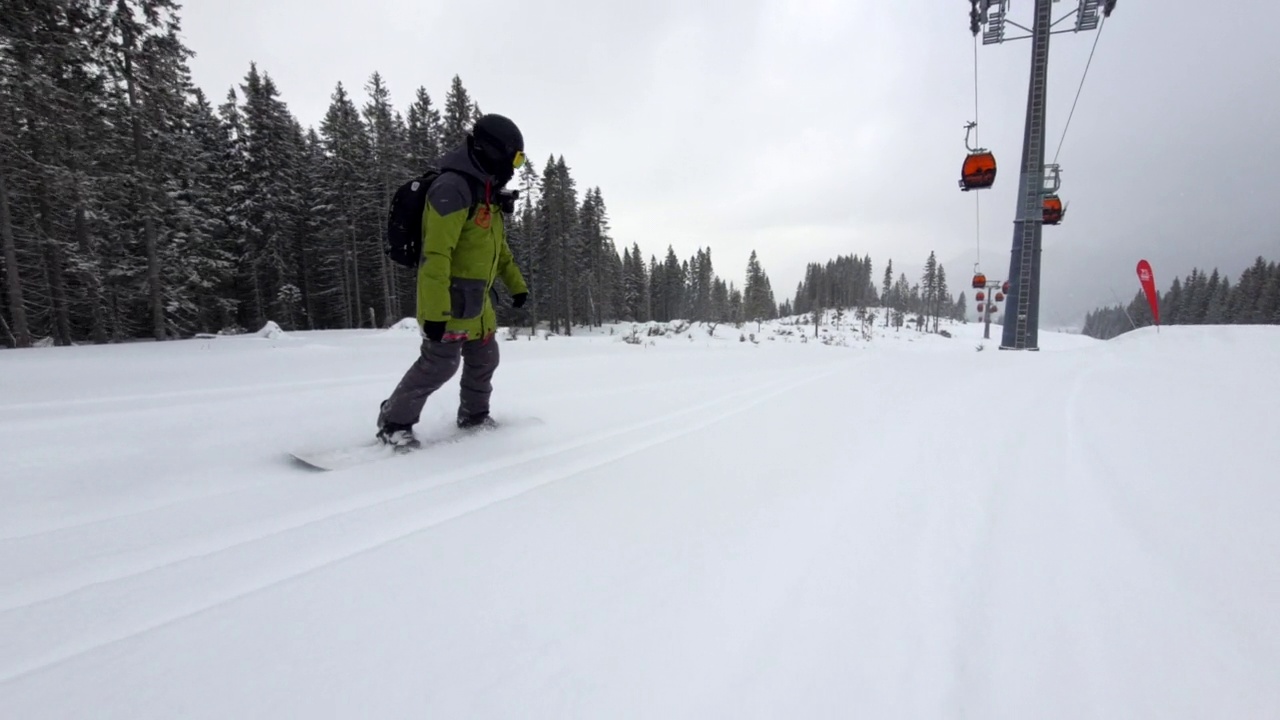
[{"x": 471, "y": 187}]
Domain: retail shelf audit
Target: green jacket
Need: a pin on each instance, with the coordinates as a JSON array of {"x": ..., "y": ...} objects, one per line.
[{"x": 463, "y": 252}]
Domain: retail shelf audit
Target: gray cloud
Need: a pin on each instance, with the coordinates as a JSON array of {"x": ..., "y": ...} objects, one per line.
[{"x": 807, "y": 128}]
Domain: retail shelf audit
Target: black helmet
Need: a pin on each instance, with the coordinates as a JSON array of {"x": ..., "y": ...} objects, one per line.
[{"x": 498, "y": 144}]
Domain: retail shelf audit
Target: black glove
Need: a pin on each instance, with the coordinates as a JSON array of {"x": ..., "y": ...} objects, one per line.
[
  {"x": 518, "y": 299},
  {"x": 433, "y": 330}
]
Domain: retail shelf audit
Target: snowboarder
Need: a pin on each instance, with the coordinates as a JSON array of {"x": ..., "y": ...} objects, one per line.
[{"x": 464, "y": 250}]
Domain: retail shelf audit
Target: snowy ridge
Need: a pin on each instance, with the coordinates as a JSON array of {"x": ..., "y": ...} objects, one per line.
[{"x": 703, "y": 526}]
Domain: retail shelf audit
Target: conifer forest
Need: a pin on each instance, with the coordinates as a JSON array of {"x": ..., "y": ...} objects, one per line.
[
  {"x": 1199, "y": 299},
  {"x": 133, "y": 205}
]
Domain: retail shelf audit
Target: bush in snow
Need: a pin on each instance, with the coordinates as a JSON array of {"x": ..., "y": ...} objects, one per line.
[
  {"x": 271, "y": 331},
  {"x": 407, "y": 325}
]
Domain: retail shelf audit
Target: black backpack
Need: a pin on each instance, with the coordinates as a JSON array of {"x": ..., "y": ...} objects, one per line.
[{"x": 404, "y": 220}]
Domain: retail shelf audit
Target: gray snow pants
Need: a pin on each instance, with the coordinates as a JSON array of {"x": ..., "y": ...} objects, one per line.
[{"x": 435, "y": 367}]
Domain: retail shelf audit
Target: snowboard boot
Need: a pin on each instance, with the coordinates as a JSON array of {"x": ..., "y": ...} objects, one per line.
[
  {"x": 399, "y": 437},
  {"x": 476, "y": 422}
]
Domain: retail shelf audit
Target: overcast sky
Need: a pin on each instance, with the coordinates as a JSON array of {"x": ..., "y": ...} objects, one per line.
[{"x": 804, "y": 129}]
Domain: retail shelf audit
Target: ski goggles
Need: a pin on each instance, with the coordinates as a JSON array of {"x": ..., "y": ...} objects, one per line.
[{"x": 518, "y": 161}]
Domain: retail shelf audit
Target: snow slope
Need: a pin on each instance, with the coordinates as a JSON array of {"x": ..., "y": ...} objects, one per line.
[{"x": 702, "y": 527}]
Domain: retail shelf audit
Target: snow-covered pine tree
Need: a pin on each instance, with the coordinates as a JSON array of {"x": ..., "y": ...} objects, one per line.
[
  {"x": 652, "y": 282},
  {"x": 628, "y": 292},
  {"x": 637, "y": 286},
  {"x": 1216, "y": 313},
  {"x": 942, "y": 303},
  {"x": 313, "y": 255},
  {"x": 569, "y": 241},
  {"x": 198, "y": 260},
  {"x": 424, "y": 133},
  {"x": 458, "y": 116},
  {"x": 147, "y": 57},
  {"x": 35, "y": 41},
  {"x": 718, "y": 307},
  {"x": 929, "y": 287},
  {"x": 674, "y": 290},
  {"x": 886, "y": 288},
  {"x": 272, "y": 152},
  {"x": 757, "y": 295},
  {"x": 523, "y": 238},
  {"x": 345, "y": 178},
  {"x": 1267, "y": 309},
  {"x": 559, "y": 237},
  {"x": 701, "y": 284},
  {"x": 1251, "y": 289},
  {"x": 736, "y": 314},
  {"x": 589, "y": 262},
  {"x": 1171, "y": 303},
  {"x": 388, "y": 148},
  {"x": 1247, "y": 293},
  {"x": 611, "y": 263}
]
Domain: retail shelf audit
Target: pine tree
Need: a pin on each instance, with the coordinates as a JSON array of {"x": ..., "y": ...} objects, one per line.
[
  {"x": 20, "y": 334},
  {"x": 389, "y": 148},
  {"x": 268, "y": 202},
  {"x": 929, "y": 288},
  {"x": 559, "y": 240},
  {"x": 344, "y": 177},
  {"x": 942, "y": 302},
  {"x": 635, "y": 284},
  {"x": 198, "y": 260},
  {"x": 674, "y": 287},
  {"x": 757, "y": 295},
  {"x": 886, "y": 288},
  {"x": 652, "y": 287},
  {"x": 150, "y": 62},
  {"x": 457, "y": 116},
  {"x": 1171, "y": 304},
  {"x": 1267, "y": 309},
  {"x": 424, "y": 133},
  {"x": 1216, "y": 314}
]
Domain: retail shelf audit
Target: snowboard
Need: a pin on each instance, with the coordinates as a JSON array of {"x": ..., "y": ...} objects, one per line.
[{"x": 339, "y": 458}]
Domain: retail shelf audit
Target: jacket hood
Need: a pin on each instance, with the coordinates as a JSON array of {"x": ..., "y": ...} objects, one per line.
[{"x": 460, "y": 160}]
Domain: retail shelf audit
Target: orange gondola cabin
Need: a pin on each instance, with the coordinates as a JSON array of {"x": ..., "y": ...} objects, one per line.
[
  {"x": 978, "y": 171},
  {"x": 1053, "y": 211},
  {"x": 980, "y": 281}
]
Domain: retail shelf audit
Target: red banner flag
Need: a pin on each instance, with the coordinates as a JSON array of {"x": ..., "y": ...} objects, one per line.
[{"x": 1148, "y": 280}]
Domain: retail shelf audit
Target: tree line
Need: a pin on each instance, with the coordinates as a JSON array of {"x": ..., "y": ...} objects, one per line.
[
  {"x": 1199, "y": 299},
  {"x": 846, "y": 282},
  {"x": 134, "y": 206}
]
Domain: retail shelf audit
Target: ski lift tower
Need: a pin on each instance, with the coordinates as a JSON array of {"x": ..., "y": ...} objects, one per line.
[{"x": 991, "y": 18}]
